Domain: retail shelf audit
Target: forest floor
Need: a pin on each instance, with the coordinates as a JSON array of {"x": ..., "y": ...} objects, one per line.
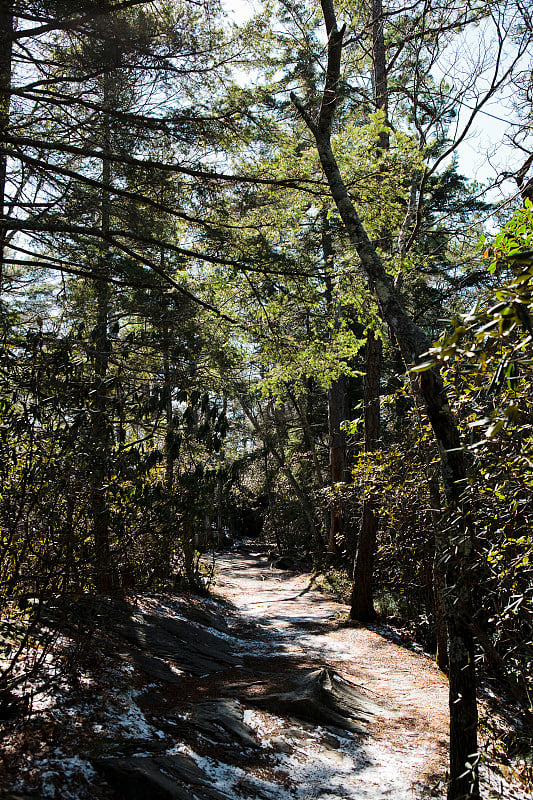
[{"x": 261, "y": 691}]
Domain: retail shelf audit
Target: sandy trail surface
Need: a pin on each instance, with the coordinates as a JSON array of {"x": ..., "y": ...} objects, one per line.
[
  {"x": 262, "y": 693},
  {"x": 403, "y": 752}
]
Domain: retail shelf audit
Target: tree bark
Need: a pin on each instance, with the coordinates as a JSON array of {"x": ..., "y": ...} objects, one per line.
[
  {"x": 101, "y": 427},
  {"x": 336, "y": 396},
  {"x": 362, "y": 602},
  {"x": 414, "y": 343},
  {"x": 6, "y": 51}
]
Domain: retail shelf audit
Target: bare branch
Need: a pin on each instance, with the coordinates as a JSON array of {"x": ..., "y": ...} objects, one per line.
[
  {"x": 164, "y": 166},
  {"x": 75, "y": 22}
]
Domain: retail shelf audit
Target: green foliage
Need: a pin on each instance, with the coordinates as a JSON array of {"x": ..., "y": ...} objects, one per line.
[
  {"x": 406, "y": 544},
  {"x": 512, "y": 247},
  {"x": 489, "y": 365},
  {"x": 134, "y": 407}
]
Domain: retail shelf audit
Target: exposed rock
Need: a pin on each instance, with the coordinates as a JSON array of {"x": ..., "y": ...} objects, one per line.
[
  {"x": 324, "y": 698},
  {"x": 290, "y": 564},
  {"x": 157, "y": 670},
  {"x": 220, "y": 720},
  {"x": 284, "y": 562},
  {"x": 130, "y": 747},
  {"x": 280, "y": 745},
  {"x": 175, "y": 777},
  {"x": 207, "y": 618},
  {"x": 184, "y": 642},
  {"x": 252, "y": 790},
  {"x": 192, "y": 649}
]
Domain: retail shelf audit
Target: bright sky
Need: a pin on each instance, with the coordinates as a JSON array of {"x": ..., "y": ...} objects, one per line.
[{"x": 486, "y": 152}]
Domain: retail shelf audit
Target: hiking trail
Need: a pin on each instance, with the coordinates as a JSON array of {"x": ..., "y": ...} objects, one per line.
[{"x": 265, "y": 693}]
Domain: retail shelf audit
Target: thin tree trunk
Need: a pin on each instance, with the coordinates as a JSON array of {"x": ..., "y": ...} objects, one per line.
[
  {"x": 362, "y": 603},
  {"x": 414, "y": 343},
  {"x": 101, "y": 430},
  {"x": 336, "y": 397},
  {"x": 6, "y": 51}
]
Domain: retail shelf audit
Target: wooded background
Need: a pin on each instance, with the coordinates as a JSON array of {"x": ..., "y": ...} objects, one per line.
[{"x": 249, "y": 289}]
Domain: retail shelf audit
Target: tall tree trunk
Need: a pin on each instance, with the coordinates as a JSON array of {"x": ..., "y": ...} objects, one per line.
[
  {"x": 414, "y": 343},
  {"x": 336, "y": 396},
  {"x": 101, "y": 428},
  {"x": 362, "y": 603},
  {"x": 6, "y": 52}
]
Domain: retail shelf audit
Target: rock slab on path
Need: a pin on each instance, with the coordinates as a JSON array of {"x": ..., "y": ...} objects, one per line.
[
  {"x": 284, "y": 709},
  {"x": 265, "y": 697},
  {"x": 171, "y": 777}
]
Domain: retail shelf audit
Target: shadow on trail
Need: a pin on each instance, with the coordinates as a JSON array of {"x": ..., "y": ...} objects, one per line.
[
  {"x": 237, "y": 704},
  {"x": 229, "y": 700}
]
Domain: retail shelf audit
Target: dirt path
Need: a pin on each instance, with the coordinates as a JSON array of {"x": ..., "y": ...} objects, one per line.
[
  {"x": 404, "y": 752},
  {"x": 266, "y": 696}
]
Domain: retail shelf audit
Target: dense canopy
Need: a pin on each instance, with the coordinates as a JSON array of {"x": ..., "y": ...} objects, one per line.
[{"x": 252, "y": 285}]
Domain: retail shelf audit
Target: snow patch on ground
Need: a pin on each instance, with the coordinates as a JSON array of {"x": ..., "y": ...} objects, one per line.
[
  {"x": 60, "y": 778},
  {"x": 312, "y": 769},
  {"x": 262, "y": 724},
  {"x": 128, "y": 717}
]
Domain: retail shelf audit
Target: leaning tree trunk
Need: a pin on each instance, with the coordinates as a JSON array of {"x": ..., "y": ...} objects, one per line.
[{"x": 414, "y": 343}]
